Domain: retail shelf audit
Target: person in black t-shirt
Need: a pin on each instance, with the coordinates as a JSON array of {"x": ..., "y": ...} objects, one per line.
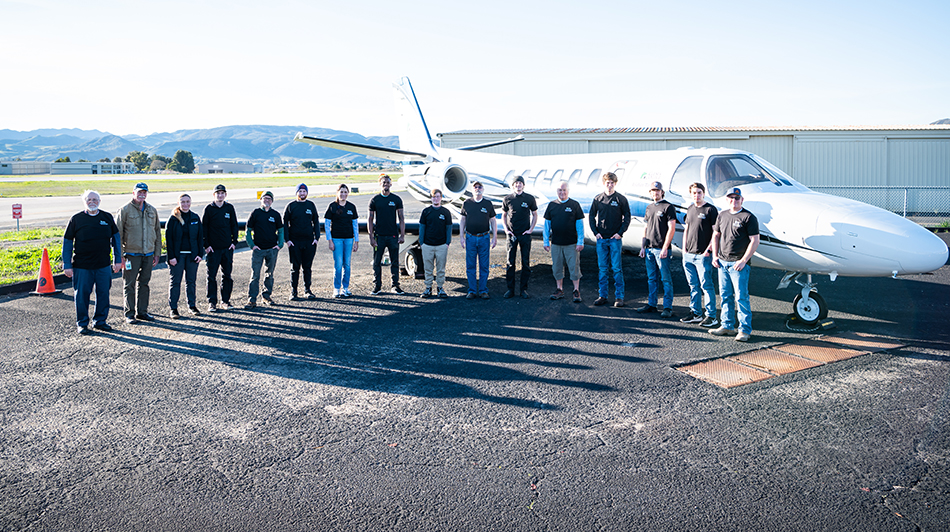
[
  {"x": 477, "y": 235},
  {"x": 302, "y": 231},
  {"x": 658, "y": 230},
  {"x": 385, "y": 234},
  {"x": 86, "y": 243},
  {"x": 343, "y": 237},
  {"x": 735, "y": 240},
  {"x": 220, "y": 226},
  {"x": 609, "y": 219},
  {"x": 435, "y": 234},
  {"x": 564, "y": 238},
  {"x": 265, "y": 236},
  {"x": 697, "y": 257},
  {"x": 519, "y": 216}
]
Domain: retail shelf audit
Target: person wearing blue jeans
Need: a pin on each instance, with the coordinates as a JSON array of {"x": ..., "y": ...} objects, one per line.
[
  {"x": 609, "y": 218},
  {"x": 479, "y": 229},
  {"x": 697, "y": 257},
  {"x": 735, "y": 240},
  {"x": 659, "y": 226},
  {"x": 89, "y": 236},
  {"x": 342, "y": 225}
]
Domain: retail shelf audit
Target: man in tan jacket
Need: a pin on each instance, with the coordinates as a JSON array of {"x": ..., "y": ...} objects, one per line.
[{"x": 141, "y": 236}]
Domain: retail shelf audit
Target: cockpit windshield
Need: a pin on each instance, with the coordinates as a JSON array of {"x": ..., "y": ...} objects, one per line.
[{"x": 724, "y": 172}]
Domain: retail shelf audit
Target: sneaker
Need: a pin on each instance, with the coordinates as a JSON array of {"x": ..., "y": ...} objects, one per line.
[
  {"x": 294, "y": 297},
  {"x": 645, "y": 309},
  {"x": 250, "y": 305},
  {"x": 194, "y": 311},
  {"x": 442, "y": 294},
  {"x": 310, "y": 296},
  {"x": 525, "y": 295},
  {"x": 376, "y": 291},
  {"x": 102, "y": 326},
  {"x": 600, "y": 301},
  {"x": 212, "y": 307},
  {"x": 577, "y": 296},
  {"x": 470, "y": 295},
  {"x": 691, "y": 318},
  {"x": 667, "y": 313},
  {"x": 397, "y": 290},
  {"x": 722, "y": 331},
  {"x": 130, "y": 320},
  {"x": 174, "y": 314},
  {"x": 558, "y": 294},
  {"x": 710, "y": 322},
  {"x": 509, "y": 294},
  {"x": 742, "y": 337},
  {"x": 226, "y": 305},
  {"x": 345, "y": 292},
  {"x": 618, "y": 303},
  {"x": 269, "y": 301},
  {"x": 427, "y": 293},
  {"x": 484, "y": 295},
  {"x": 336, "y": 292},
  {"x": 82, "y": 330},
  {"x": 145, "y": 317}
]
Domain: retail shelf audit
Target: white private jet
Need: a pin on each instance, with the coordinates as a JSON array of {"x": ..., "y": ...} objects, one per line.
[{"x": 802, "y": 232}]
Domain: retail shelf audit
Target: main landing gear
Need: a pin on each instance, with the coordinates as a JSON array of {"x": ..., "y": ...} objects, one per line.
[{"x": 808, "y": 306}]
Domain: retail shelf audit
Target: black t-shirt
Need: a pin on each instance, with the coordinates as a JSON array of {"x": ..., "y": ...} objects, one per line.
[
  {"x": 263, "y": 226},
  {"x": 436, "y": 221},
  {"x": 92, "y": 239},
  {"x": 478, "y": 216},
  {"x": 564, "y": 217},
  {"x": 700, "y": 222},
  {"x": 220, "y": 226},
  {"x": 301, "y": 222},
  {"x": 735, "y": 231},
  {"x": 609, "y": 215},
  {"x": 385, "y": 207},
  {"x": 657, "y": 218},
  {"x": 519, "y": 208},
  {"x": 341, "y": 219}
]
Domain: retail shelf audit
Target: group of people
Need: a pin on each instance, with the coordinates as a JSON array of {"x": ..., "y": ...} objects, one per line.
[{"x": 724, "y": 240}]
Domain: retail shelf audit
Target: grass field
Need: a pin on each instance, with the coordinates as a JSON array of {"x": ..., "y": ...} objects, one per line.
[{"x": 175, "y": 184}]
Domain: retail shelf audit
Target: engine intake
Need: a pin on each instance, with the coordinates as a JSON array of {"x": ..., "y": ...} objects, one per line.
[{"x": 450, "y": 178}]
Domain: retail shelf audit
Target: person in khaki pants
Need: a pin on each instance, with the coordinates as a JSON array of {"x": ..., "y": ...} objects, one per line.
[
  {"x": 141, "y": 237},
  {"x": 435, "y": 233}
]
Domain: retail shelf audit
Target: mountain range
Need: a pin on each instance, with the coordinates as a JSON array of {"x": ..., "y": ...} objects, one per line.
[{"x": 235, "y": 143}]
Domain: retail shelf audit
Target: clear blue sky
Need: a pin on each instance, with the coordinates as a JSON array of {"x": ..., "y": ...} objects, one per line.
[{"x": 138, "y": 67}]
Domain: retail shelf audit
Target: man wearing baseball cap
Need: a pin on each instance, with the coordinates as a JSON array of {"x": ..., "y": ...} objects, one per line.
[
  {"x": 658, "y": 230},
  {"x": 220, "y": 225},
  {"x": 735, "y": 239},
  {"x": 264, "y": 234},
  {"x": 519, "y": 216},
  {"x": 141, "y": 235},
  {"x": 302, "y": 232}
]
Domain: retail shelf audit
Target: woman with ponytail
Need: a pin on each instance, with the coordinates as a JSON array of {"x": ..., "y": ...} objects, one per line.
[{"x": 184, "y": 243}]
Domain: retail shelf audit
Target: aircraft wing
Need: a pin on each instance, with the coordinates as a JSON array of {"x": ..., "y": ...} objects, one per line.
[{"x": 381, "y": 152}]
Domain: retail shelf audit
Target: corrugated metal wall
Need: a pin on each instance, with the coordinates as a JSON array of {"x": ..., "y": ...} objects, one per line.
[{"x": 920, "y": 162}]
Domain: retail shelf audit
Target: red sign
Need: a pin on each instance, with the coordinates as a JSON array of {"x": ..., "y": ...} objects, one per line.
[{"x": 17, "y": 211}]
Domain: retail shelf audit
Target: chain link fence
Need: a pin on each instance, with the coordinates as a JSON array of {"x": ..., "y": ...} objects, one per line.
[{"x": 928, "y": 206}]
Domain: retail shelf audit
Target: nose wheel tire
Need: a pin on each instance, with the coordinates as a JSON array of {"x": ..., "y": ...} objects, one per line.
[
  {"x": 413, "y": 263},
  {"x": 810, "y": 309}
]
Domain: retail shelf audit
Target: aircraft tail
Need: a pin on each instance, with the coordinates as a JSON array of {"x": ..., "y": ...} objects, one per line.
[{"x": 413, "y": 133}]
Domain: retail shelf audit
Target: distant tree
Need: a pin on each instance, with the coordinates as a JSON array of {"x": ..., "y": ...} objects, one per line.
[
  {"x": 182, "y": 162},
  {"x": 81, "y": 161},
  {"x": 139, "y": 159},
  {"x": 104, "y": 160},
  {"x": 118, "y": 160},
  {"x": 157, "y": 166},
  {"x": 157, "y": 157},
  {"x": 63, "y": 160},
  {"x": 309, "y": 165}
]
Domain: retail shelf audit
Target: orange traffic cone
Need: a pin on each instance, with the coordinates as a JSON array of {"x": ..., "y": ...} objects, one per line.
[{"x": 44, "y": 283}]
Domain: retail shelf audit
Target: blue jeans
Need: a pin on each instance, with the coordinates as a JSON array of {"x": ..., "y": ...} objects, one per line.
[
  {"x": 477, "y": 249},
  {"x": 83, "y": 283},
  {"x": 734, "y": 287},
  {"x": 608, "y": 258},
  {"x": 342, "y": 250},
  {"x": 699, "y": 275},
  {"x": 654, "y": 264}
]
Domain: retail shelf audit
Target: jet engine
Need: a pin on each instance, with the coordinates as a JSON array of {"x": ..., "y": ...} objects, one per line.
[{"x": 450, "y": 178}]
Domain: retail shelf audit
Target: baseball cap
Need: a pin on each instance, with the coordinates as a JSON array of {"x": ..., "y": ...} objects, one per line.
[
  {"x": 268, "y": 193},
  {"x": 141, "y": 186},
  {"x": 220, "y": 188},
  {"x": 656, "y": 185},
  {"x": 734, "y": 193}
]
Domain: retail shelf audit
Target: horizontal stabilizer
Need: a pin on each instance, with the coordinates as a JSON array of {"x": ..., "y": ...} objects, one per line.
[
  {"x": 380, "y": 152},
  {"x": 491, "y": 144}
]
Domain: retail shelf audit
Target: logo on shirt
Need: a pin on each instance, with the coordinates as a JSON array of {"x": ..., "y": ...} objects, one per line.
[
  {"x": 227, "y": 215},
  {"x": 392, "y": 203},
  {"x": 736, "y": 224},
  {"x": 350, "y": 213},
  {"x": 442, "y": 217},
  {"x": 271, "y": 219},
  {"x": 614, "y": 203},
  {"x": 484, "y": 210},
  {"x": 308, "y": 212},
  {"x": 103, "y": 222},
  {"x": 568, "y": 209}
]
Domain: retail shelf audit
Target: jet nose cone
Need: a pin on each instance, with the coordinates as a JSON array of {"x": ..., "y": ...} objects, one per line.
[
  {"x": 928, "y": 253},
  {"x": 888, "y": 237}
]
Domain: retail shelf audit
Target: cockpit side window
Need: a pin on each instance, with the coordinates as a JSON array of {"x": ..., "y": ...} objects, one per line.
[
  {"x": 724, "y": 172},
  {"x": 688, "y": 172}
]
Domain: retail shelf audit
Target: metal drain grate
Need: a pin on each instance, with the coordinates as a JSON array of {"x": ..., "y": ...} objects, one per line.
[
  {"x": 775, "y": 361},
  {"x": 865, "y": 342},
  {"x": 819, "y": 351},
  {"x": 724, "y": 373}
]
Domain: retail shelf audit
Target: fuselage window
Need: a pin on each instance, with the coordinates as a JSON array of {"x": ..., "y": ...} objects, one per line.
[
  {"x": 724, "y": 172},
  {"x": 557, "y": 175},
  {"x": 593, "y": 176},
  {"x": 688, "y": 172},
  {"x": 541, "y": 175},
  {"x": 511, "y": 175},
  {"x": 575, "y": 175}
]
